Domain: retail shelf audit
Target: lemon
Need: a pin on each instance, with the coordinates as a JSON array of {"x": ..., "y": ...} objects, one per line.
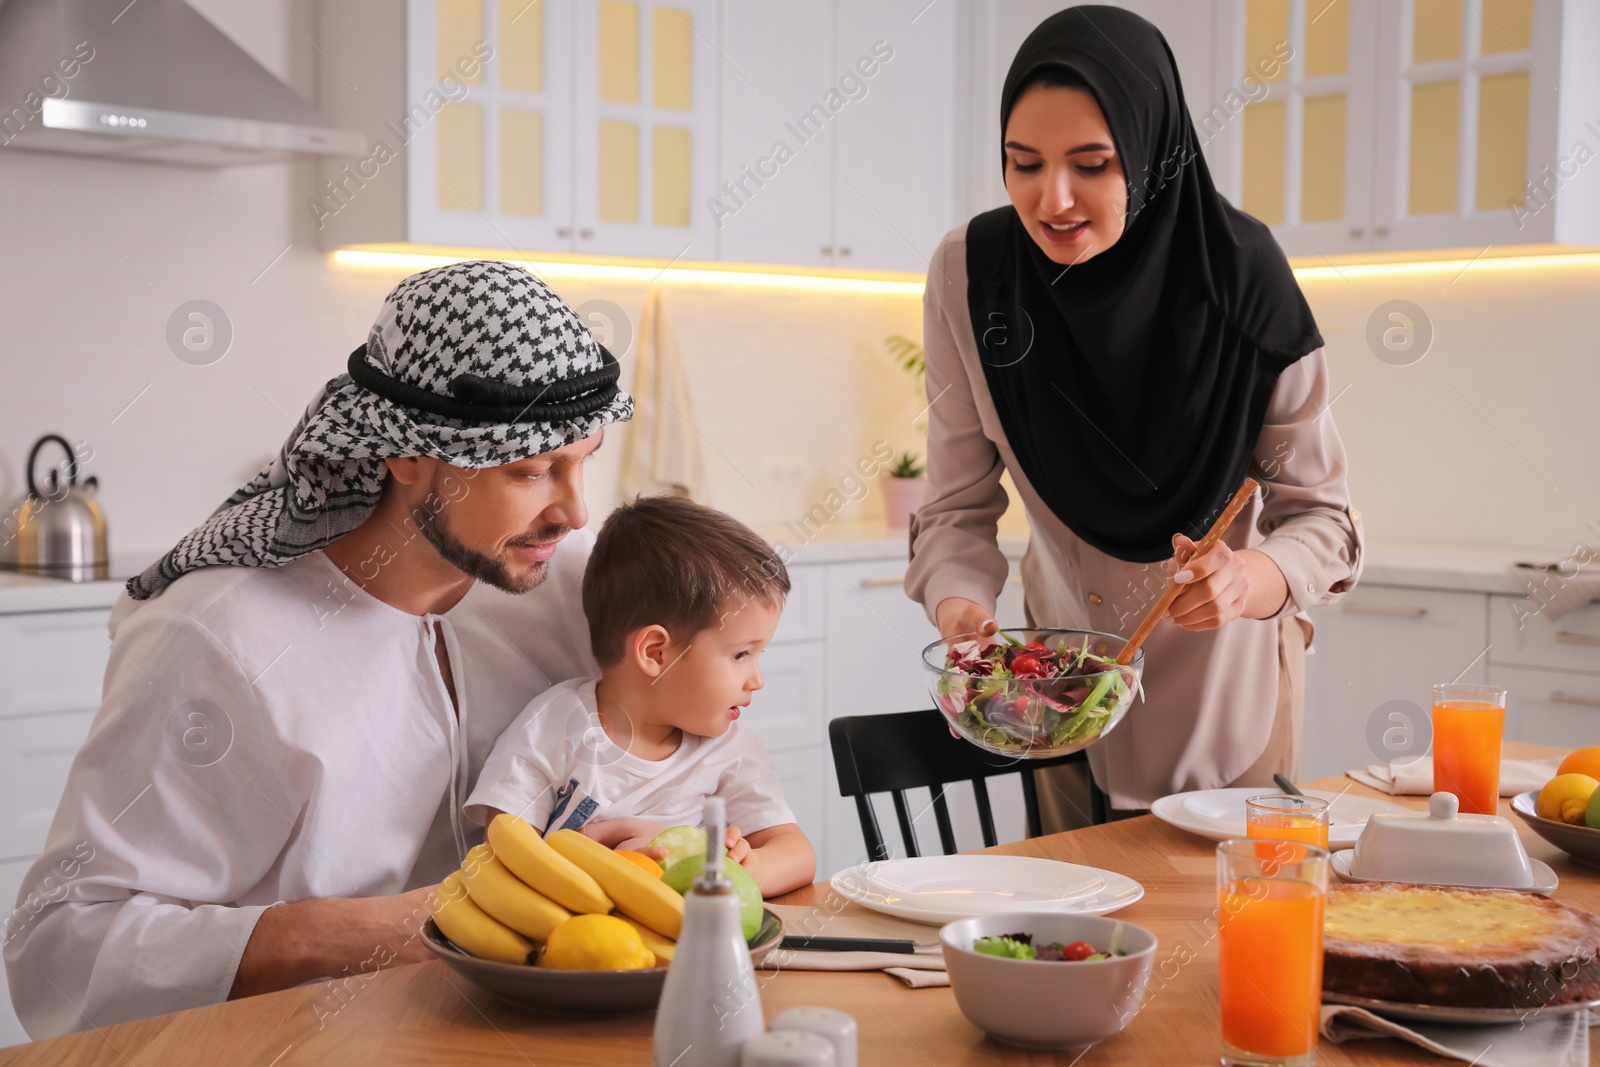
[
  {"x": 596, "y": 943},
  {"x": 1565, "y": 798}
]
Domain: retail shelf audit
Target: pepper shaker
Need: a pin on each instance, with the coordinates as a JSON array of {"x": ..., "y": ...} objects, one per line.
[
  {"x": 838, "y": 1028},
  {"x": 787, "y": 1048}
]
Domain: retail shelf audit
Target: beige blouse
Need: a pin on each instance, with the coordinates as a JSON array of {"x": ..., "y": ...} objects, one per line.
[{"x": 1209, "y": 697}]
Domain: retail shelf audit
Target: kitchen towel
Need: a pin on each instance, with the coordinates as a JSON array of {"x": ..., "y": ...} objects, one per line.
[
  {"x": 1415, "y": 776},
  {"x": 1559, "y": 1041},
  {"x": 661, "y": 447},
  {"x": 1558, "y": 589},
  {"x": 836, "y": 917}
]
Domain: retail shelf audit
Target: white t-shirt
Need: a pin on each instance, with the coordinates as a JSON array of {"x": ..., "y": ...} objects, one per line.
[
  {"x": 268, "y": 735},
  {"x": 556, "y": 768}
]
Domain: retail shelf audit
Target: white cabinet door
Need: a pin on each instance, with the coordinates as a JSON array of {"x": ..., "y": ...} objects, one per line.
[
  {"x": 787, "y": 711},
  {"x": 11, "y": 875},
  {"x": 876, "y": 635},
  {"x": 645, "y": 128},
  {"x": 1549, "y": 707},
  {"x": 1378, "y": 646},
  {"x": 1526, "y": 637},
  {"x": 488, "y": 140},
  {"x": 772, "y": 197},
  {"x": 52, "y": 660},
  {"x": 894, "y": 187},
  {"x": 35, "y": 754},
  {"x": 806, "y": 779}
]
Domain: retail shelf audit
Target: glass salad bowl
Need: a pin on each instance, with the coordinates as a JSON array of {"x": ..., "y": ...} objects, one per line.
[{"x": 1032, "y": 693}]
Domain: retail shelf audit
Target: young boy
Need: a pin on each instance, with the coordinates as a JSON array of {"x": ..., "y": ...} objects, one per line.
[{"x": 681, "y": 599}]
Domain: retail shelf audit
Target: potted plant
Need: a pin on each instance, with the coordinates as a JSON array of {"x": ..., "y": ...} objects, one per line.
[{"x": 904, "y": 489}]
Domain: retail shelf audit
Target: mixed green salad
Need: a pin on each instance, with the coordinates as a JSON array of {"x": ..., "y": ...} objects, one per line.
[
  {"x": 1014, "y": 695},
  {"x": 1021, "y": 947}
]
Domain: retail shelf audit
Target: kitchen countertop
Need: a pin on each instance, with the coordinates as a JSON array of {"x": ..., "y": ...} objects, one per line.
[{"x": 1412, "y": 565}]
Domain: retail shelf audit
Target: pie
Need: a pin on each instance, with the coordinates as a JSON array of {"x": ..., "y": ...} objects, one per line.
[{"x": 1471, "y": 948}]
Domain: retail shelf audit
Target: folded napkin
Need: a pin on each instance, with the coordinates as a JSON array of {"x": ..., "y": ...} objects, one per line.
[
  {"x": 1559, "y": 589},
  {"x": 1554, "y": 1041},
  {"x": 1416, "y": 776},
  {"x": 836, "y": 917}
]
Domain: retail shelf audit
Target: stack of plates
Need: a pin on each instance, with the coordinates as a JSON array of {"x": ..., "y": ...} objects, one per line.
[
  {"x": 1218, "y": 814},
  {"x": 942, "y": 889}
]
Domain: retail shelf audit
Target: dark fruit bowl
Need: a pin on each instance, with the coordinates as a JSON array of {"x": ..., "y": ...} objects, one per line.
[{"x": 1579, "y": 842}]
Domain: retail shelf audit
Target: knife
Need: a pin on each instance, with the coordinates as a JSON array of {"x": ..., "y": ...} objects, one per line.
[
  {"x": 1287, "y": 786},
  {"x": 848, "y": 944}
]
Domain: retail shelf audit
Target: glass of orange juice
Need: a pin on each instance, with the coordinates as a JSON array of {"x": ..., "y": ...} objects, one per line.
[
  {"x": 1271, "y": 896},
  {"x": 1468, "y": 721},
  {"x": 1287, "y": 818}
]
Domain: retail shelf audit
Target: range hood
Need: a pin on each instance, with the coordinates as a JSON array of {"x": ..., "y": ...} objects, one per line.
[{"x": 147, "y": 80}]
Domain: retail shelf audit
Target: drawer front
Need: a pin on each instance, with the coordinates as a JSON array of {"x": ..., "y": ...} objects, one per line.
[
  {"x": 35, "y": 754},
  {"x": 803, "y": 610},
  {"x": 52, "y": 661},
  {"x": 1524, "y": 639},
  {"x": 787, "y": 711},
  {"x": 1550, "y": 707},
  {"x": 11, "y": 876},
  {"x": 876, "y": 635}
]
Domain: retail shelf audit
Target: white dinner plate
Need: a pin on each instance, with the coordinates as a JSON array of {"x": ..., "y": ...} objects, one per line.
[
  {"x": 942, "y": 889},
  {"x": 1449, "y": 1013},
  {"x": 1218, "y": 814},
  {"x": 1545, "y": 880}
]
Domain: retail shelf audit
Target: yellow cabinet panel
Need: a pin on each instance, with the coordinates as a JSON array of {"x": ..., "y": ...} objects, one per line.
[
  {"x": 460, "y": 29},
  {"x": 1502, "y": 140},
  {"x": 521, "y": 162},
  {"x": 617, "y": 170},
  {"x": 1265, "y": 134},
  {"x": 1266, "y": 26},
  {"x": 1435, "y": 30},
  {"x": 673, "y": 55},
  {"x": 1507, "y": 25},
  {"x": 1435, "y": 143},
  {"x": 460, "y": 157},
  {"x": 669, "y": 176},
  {"x": 1322, "y": 158},
  {"x": 521, "y": 46},
  {"x": 1327, "y": 37},
  {"x": 619, "y": 52}
]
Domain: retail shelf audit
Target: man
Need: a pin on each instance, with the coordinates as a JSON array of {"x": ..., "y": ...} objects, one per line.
[{"x": 305, "y": 688}]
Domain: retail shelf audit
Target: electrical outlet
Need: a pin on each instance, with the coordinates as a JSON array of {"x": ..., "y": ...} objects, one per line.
[{"x": 788, "y": 472}]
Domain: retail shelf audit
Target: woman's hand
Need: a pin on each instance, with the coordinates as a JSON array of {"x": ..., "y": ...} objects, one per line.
[
  {"x": 1222, "y": 585},
  {"x": 959, "y": 616}
]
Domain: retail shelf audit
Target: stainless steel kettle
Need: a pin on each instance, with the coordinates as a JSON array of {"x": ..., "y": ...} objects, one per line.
[{"x": 58, "y": 533}]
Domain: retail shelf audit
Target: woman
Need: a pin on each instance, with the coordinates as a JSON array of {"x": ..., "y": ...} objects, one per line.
[{"x": 1128, "y": 346}]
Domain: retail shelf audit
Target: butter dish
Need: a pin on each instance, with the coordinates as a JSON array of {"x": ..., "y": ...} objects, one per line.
[{"x": 1444, "y": 847}]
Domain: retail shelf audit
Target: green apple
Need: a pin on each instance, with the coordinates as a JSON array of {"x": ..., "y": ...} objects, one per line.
[
  {"x": 680, "y": 843},
  {"x": 1591, "y": 814},
  {"x": 681, "y": 875}
]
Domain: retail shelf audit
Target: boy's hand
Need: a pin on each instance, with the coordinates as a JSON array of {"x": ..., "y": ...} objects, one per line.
[
  {"x": 631, "y": 834},
  {"x": 738, "y": 847}
]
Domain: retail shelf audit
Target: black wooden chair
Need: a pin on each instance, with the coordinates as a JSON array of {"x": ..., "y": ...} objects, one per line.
[{"x": 895, "y": 752}]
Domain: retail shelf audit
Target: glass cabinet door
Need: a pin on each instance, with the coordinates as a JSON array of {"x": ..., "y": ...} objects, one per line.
[
  {"x": 488, "y": 123},
  {"x": 1304, "y": 69},
  {"x": 1469, "y": 88},
  {"x": 645, "y": 111}
]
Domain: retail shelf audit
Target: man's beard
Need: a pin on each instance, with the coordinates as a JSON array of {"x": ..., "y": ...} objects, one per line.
[{"x": 490, "y": 569}]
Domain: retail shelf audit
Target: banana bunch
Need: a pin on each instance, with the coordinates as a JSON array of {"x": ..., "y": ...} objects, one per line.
[{"x": 516, "y": 889}]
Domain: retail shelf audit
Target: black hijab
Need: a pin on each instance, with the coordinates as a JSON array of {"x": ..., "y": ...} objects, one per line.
[{"x": 1132, "y": 386}]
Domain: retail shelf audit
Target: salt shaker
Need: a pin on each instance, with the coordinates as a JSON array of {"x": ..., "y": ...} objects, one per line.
[
  {"x": 836, "y": 1027},
  {"x": 710, "y": 1003},
  {"x": 787, "y": 1048}
]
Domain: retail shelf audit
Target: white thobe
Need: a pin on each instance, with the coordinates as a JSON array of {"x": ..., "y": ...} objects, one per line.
[{"x": 268, "y": 735}]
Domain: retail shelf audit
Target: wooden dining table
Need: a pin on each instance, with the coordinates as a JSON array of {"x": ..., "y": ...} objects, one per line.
[{"x": 426, "y": 1013}]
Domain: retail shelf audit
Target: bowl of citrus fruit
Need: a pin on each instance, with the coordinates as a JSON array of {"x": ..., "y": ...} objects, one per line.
[
  {"x": 564, "y": 924},
  {"x": 1566, "y": 810}
]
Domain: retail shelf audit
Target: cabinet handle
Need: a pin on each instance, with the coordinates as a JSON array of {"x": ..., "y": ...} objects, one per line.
[
  {"x": 1374, "y": 609},
  {"x": 879, "y": 583},
  {"x": 1015, "y": 579},
  {"x": 586, "y": 233},
  {"x": 845, "y": 250},
  {"x": 563, "y": 231},
  {"x": 1357, "y": 231},
  {"x": 1567, "y": 637},
  {"x": 1558, "y": 697},
  {"x": 827, "y": 250},
  {"x": 1381, "y": 231}
]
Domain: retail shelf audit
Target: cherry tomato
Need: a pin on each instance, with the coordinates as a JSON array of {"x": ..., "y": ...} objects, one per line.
[
  {"x": 1035, "y": 646},
  {"x": 1020, "y": 705},
  {"x": 1078, "y": 950},
  {"x": 1027, "y": 664}
]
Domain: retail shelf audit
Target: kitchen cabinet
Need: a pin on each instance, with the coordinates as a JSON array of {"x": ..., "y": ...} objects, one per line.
[
  {"x": 11, "y": 877},
  {"x": 523, "y": 125},
  {"x": 1408, "y": 125},
  {"x": 1550, "y": 670}
]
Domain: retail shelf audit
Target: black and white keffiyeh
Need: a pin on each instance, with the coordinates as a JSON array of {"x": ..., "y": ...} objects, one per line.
[{"x": 477, "y": 364}]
